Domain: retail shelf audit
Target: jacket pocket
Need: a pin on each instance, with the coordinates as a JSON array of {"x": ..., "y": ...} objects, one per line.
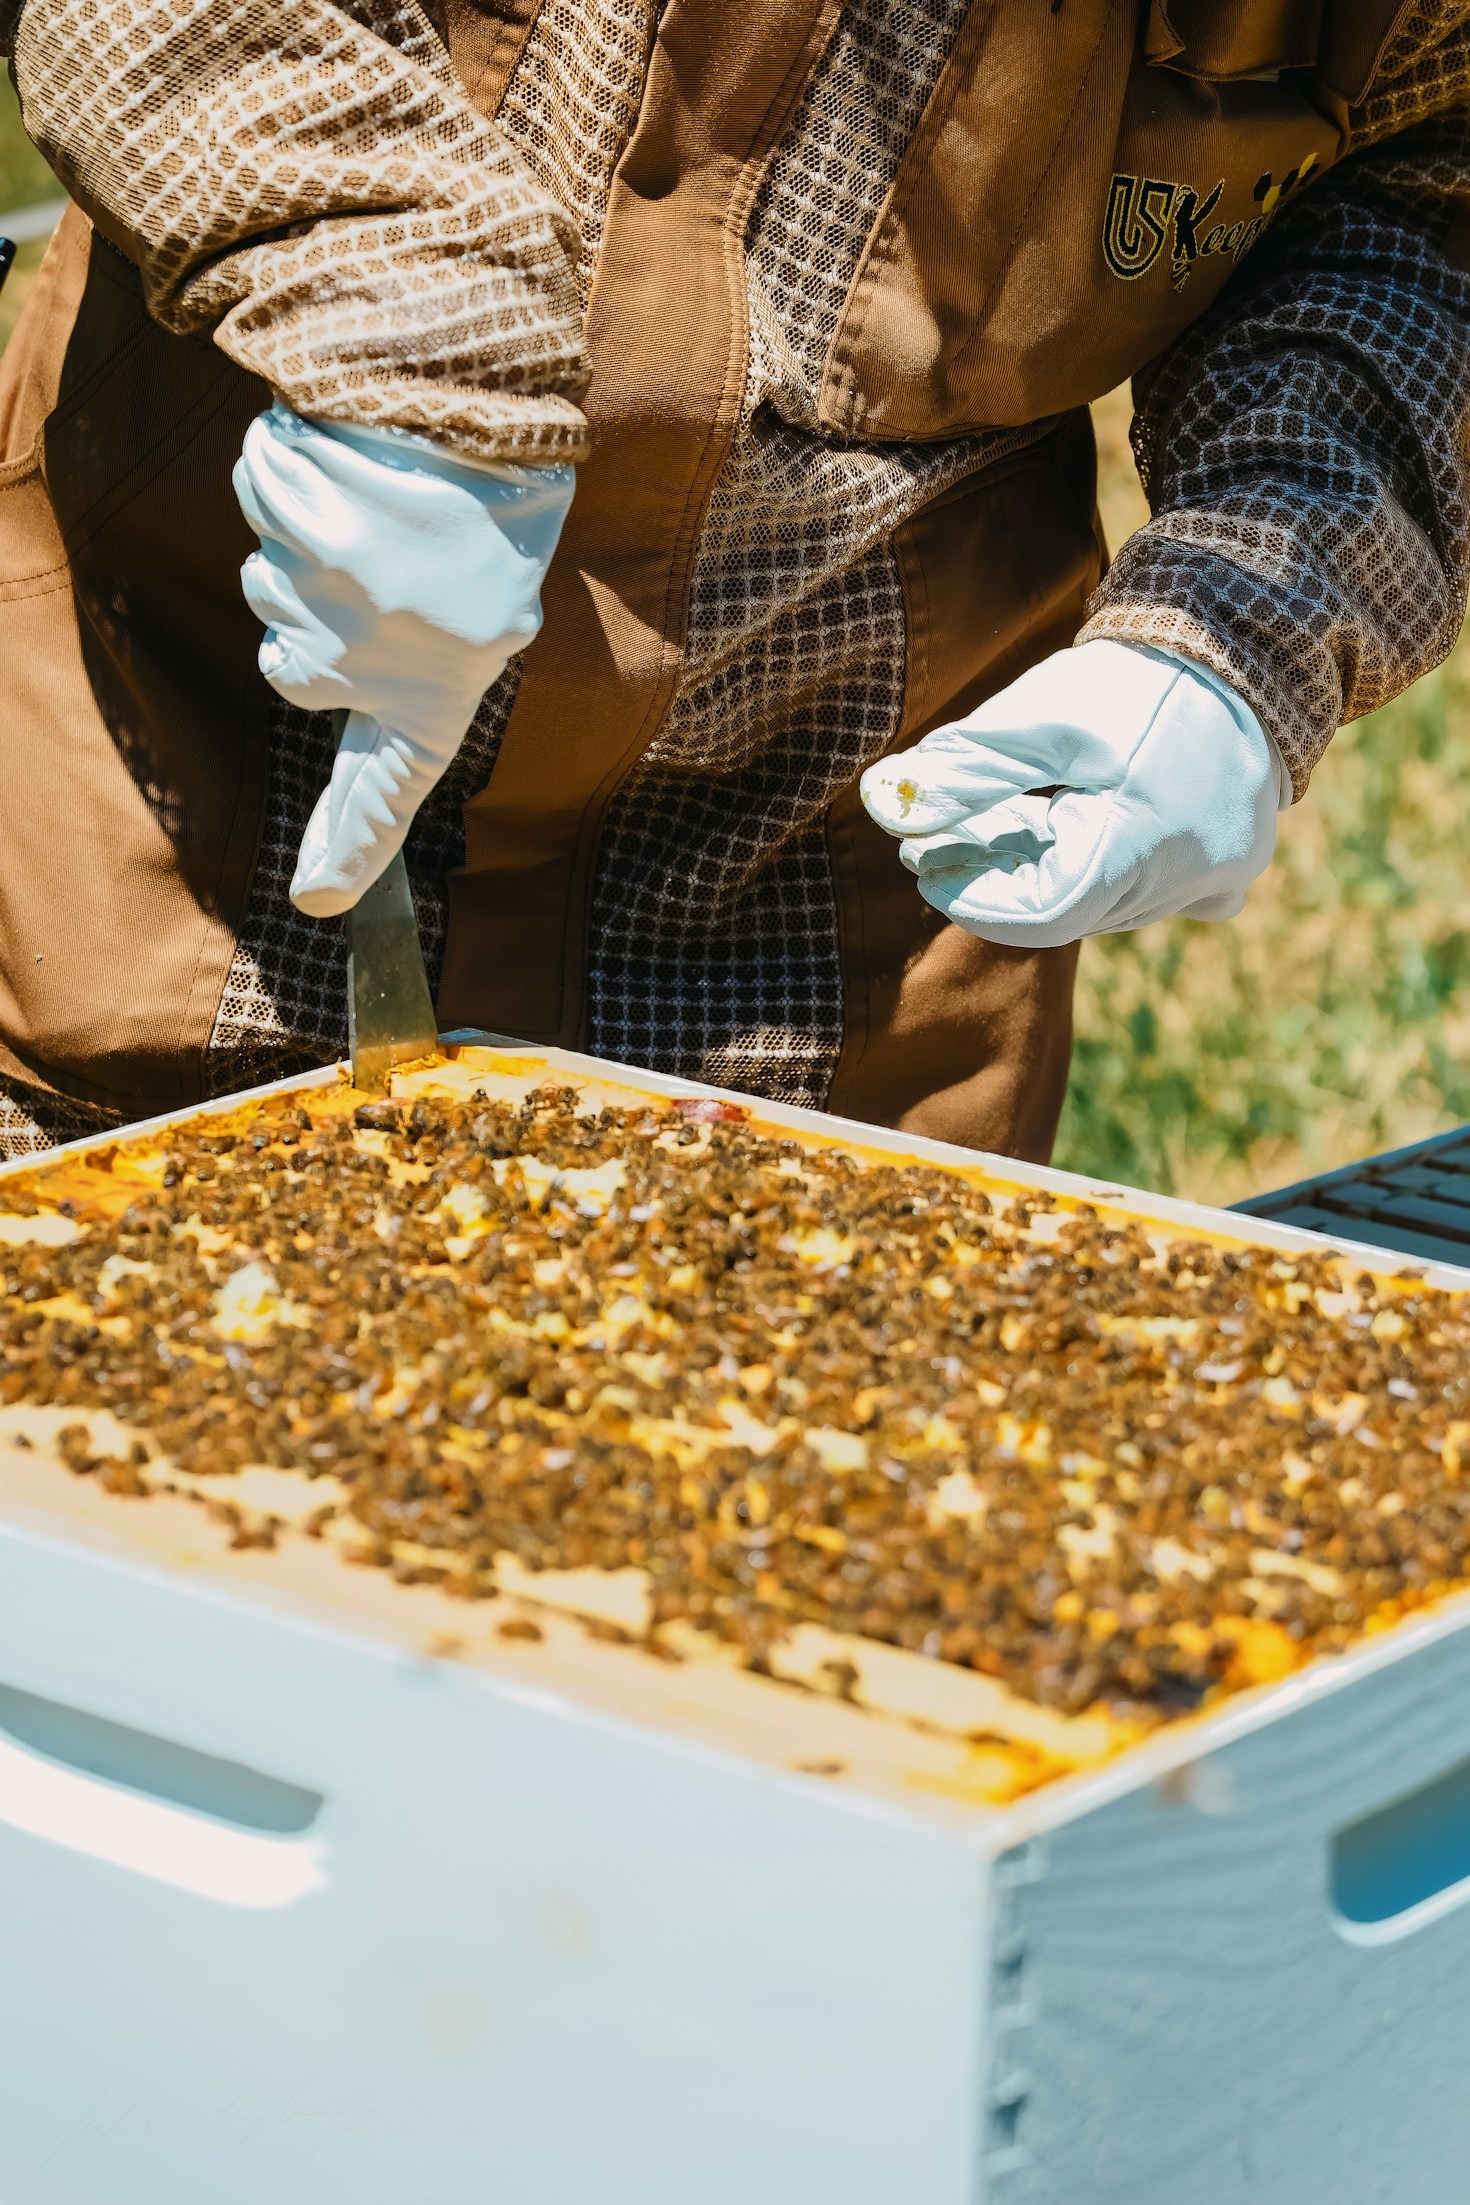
[
  {"x": 966, "y": 192},
  {"x": 32, "y": 554},
  {"x": 1341, "y": 43},
  {"x": 1228, "y": 40},
  {"x": 1044, "y": 244}
]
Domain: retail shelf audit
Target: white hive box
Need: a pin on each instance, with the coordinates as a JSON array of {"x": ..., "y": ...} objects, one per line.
[{"x": 315, "y": 1891}]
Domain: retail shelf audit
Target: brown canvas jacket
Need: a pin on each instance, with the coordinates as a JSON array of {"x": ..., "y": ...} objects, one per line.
[{"x": 818, "y": 289}]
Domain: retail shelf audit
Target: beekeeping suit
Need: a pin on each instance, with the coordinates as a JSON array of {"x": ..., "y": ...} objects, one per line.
[{"x": 813, "y": 295}]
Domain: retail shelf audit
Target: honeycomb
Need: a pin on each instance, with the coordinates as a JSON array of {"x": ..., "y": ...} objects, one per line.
[{"x": 985, "y": 1459}]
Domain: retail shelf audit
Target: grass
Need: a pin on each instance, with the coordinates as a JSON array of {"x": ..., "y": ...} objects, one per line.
[{"x": 1330, "y": 1020}]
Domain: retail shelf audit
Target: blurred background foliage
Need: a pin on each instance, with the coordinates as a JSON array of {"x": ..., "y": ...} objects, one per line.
[
  {"x": 25, "y": 178},
  {"x": 1331, "y": 1020},
  {"x": 25, "y": 181}
]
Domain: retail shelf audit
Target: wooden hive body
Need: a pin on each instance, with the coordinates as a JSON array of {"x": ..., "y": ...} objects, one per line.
[{"x": 315, "y": 1890}]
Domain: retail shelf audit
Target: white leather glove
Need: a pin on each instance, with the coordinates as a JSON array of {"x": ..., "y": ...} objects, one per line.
[
  {"x": 395, "y": 582},
  {"x": 1110, "y": 786}
]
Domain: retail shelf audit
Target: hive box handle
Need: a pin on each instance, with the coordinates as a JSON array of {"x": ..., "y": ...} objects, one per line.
[
  {"x": 1405, "y": 1865},
  {"x": 211, "y": 1827}
]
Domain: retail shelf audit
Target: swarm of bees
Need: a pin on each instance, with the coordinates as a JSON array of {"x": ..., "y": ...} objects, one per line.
[{"x": 784, "y": 1382}]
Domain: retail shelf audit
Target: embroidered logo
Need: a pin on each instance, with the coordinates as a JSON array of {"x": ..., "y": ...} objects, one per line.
[
  {"x": 1137, "y": 223},
  {"x": 1142, "y": 210}
]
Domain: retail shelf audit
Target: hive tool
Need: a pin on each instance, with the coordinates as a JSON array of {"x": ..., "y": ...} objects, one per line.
[{"x": 390, "y": 1012}]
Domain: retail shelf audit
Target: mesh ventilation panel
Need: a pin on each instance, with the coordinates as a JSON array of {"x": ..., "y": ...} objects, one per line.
[{"x": 572, "y": 103}]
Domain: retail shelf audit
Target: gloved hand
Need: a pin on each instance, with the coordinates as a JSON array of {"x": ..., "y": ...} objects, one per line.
[
  {"x": 1110, "y": 786},
  {"x": 395, "y": 582}
]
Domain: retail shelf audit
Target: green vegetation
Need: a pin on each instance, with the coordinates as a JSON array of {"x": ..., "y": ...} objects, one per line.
[
  {"x": 24, "y": 176},
  {"x": 1331, "y": 1020}
]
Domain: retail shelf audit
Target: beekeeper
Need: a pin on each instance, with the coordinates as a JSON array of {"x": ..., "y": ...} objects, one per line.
[{"x": 805, "y": 300}]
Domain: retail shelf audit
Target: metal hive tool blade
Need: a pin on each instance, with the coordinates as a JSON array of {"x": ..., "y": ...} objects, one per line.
[{"x": 390, "y": 1013}]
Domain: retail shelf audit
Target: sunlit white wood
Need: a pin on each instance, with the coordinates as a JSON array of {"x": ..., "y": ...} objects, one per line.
[{"x": 593, "y": 1930}]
